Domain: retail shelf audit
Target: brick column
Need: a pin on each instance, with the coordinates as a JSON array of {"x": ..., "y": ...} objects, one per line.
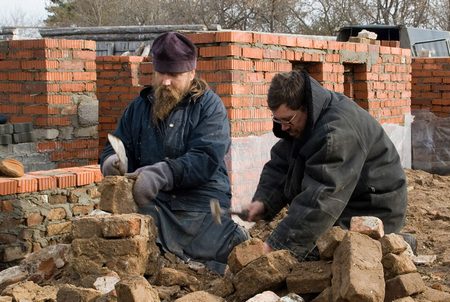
[{"x": 51, "y": 83}]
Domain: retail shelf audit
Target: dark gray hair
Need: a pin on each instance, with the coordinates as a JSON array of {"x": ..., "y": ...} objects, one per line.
[{"x": 287, "y": 88}]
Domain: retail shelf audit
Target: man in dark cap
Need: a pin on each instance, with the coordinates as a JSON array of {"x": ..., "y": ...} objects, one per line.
[{"x": 176, "y": 134}]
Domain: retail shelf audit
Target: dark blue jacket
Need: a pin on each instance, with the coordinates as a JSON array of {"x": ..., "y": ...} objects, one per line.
[
  {"x": 343, "y": 166},
  {"x": 193, "y": 140}
]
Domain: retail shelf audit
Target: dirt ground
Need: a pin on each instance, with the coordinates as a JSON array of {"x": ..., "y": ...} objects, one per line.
[{"x": 428, "y": 217}]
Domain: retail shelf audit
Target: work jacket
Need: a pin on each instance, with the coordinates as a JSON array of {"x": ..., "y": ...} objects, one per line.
[
  {"x": 193, "y": 140},
  {"x": 344, "y": 165}
]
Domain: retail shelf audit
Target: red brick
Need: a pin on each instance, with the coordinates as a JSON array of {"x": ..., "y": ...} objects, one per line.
[{"x": 26, "y": 183}]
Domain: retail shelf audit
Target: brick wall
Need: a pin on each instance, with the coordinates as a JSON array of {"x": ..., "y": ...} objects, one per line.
[
  {"x": 36, "y": 210},
  {"x": 119, "y": 80},
  {"x": 51, "y": 83},
  {"x": 430, "y": 102},
  {"x": 430, "y": 85}
]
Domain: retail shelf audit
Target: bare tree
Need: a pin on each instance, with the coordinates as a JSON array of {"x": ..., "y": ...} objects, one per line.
[{"x": 323, "y": 17}]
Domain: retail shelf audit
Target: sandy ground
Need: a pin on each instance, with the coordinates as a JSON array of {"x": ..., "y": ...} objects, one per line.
[{"x": 428, "y": 217}]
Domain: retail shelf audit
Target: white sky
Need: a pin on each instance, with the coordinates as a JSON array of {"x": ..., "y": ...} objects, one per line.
[{"x": 22, "y": 12}]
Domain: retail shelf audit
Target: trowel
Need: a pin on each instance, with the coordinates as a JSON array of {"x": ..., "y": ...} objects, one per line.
[
  {"x": 119, "y": 148},
  {"x": 217, "y": 211}
]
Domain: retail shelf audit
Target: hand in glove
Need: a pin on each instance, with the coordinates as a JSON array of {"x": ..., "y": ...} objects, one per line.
[
  {"x": 113, "y": 166},
  {"x": 150, "y": 180}
]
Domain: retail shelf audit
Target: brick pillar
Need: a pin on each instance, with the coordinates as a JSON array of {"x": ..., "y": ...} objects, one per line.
[
  {"x": 51, "y": 83},
  {"x": 119, "y": 81}
]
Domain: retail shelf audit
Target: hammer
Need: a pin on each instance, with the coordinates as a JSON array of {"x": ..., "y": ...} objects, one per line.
[{"x": 217, "y": 211}]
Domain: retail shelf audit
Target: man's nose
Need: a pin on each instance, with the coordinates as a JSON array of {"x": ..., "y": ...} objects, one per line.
[
  {"x": 166, "y": 81},
  {"x": 285, "y": 127}
]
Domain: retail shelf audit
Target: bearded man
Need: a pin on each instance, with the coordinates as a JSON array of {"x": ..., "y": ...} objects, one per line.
[{"x": 176, "y": 135}]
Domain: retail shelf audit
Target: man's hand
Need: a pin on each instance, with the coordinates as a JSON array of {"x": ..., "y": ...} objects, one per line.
[
  {"x": 256, "y": 211},
  {"x": 267, "y": 248},
  {"x": 150, "y": 180},
  {"x": 113, "y": 166}
]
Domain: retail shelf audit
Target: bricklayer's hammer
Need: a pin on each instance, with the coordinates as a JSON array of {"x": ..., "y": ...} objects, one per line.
[{"x": 217, "y": 212}]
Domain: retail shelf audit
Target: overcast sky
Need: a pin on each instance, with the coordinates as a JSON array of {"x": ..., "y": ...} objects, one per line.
[{"x": 26, "y": 12}]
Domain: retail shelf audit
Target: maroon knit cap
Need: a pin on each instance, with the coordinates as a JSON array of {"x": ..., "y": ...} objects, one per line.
[{"x": 173, "y": 52}]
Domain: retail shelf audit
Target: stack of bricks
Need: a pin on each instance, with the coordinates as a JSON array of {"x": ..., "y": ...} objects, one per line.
[
  {"x": 16, "y": 133},
  {"x": 43, "y": 82},
  {"x": 119, "y": 243},
  {"x": 119, "y": 81}
]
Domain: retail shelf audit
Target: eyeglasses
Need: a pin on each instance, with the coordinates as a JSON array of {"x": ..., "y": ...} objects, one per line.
[{"x": 281, "y": 122}]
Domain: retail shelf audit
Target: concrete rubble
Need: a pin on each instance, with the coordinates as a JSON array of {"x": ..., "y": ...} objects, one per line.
[{"x": 114, "y": 257}]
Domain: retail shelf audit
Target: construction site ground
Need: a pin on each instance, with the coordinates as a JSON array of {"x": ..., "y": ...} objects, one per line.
[{"x": 428, "y": 217}]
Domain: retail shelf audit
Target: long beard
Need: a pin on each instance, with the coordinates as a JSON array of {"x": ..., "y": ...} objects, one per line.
[{"x": 166, "y": 98}]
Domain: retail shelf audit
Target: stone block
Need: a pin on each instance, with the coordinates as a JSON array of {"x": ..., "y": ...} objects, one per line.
[
  {"x": 357, "y": 269},
  {"x": 136, "y": 289},
  {"x": 70, "y": 293},
  {"x": 169, "y": 277},
  {"x": 368, "y": 225},
  {"x": 200, "y": 296},
  {"x": 6, "y": 299},
  {"x": 96, "y": 256},
  {"x": 395, "y": 265},
  {"x": 431, "y": 294},
  {"x": 221, "y": 287},
  {"x": 6, "y": 139},
  {"x": 309, "y": 277},
  {"x": 117, "y": 195},
  {"x": 114, "y": 226},
  {"x": 22, "y": 127},
  {"x": 24, "y": 137},
  {"x": 59, "y": 228},
  {"x": 392, "y": 244},
  {"x": 6, "y": 129},
  {"x": 264, "y": 273},
  {"x": 328, "y": 241},
  {"x": 245, "y": 253},
  {"x": 403, "y": 286},
  {"x": 29, "y": 291},
  {"x": 12, "y": 275}
]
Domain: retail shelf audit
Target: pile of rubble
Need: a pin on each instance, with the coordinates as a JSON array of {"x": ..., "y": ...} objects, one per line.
[{"x": 114, "y": 257}]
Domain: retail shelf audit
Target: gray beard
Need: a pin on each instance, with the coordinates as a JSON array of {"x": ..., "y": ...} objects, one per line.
[{"x": 166, "y": 98}]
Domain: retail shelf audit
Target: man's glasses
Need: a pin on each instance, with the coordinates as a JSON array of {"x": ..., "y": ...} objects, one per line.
[{"x": 281, "y": 122}]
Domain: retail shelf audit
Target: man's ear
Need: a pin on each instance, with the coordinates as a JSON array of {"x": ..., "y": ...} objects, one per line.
[{"x": 192, "y": 75}]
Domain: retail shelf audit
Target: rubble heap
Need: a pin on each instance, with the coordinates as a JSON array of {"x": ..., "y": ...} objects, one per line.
[{"x": 114, "y": 257}]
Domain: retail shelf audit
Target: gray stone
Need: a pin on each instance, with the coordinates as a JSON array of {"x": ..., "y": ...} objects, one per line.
[
  {"x": 6, "y": 139},
  {"x": 91, "y": 131},
  {"x": 46, "y": 133},
  {"x": 65, "y": 133},
  {"x": 87, "y": 110},
  {"x": 22, "y": 127},
  {"x": 24, "y": 149}
]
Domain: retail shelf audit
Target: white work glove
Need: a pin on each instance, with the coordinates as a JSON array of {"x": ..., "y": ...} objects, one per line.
[
  {"x": 113, "y": 166},
  {"x": 150, "y": 180}
]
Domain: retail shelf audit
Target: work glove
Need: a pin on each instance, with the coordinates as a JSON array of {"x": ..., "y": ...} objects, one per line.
[
  {"x": 113, "y": 166},
  {"x": 150, "y": 180}
]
